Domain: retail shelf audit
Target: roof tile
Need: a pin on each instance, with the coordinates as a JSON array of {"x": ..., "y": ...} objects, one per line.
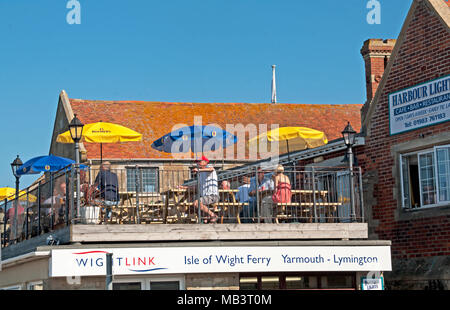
[{"x": 155, "y": 119}]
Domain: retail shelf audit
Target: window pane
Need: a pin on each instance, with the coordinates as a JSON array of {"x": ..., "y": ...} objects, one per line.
[
  {"x": 270, "y": 283},
  {"x": 248, "y": 283},
  {"x": 298, "y": 282},
  {"x": 36, "y": 287},
  {"x": 164, "y": 285},
  {"x": 443, "y": 164},
  {"x": 427, "y": 178},
  {"x": 337, "y": 282},
  {"x": 148, "y": 179},
  {"x": 406, "y": 182},
  {"x": 127, "y": 286}
]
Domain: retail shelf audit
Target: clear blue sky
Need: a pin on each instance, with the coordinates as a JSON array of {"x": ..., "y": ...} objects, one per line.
[{"x": 176, "y": 50}]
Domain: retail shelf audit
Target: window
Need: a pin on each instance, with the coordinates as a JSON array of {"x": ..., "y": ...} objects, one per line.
[
  {"x": 148, "y": 179},
  {"x": 154, "y": 283},
  {"x": 35, "y": 286},
  {"x": 248, "y": 283},
  {"x": 425, "y": 178},
  {"x": 298, "y": 282},
  {"x": 270, "y": 283},
  {"x": 337, "y": 282},
  {"x": 164, "y": 285},
  {"x": 443, "y": 172},
  {"x": 127, "y": 286},
  {"x": 275, "y": 282}
]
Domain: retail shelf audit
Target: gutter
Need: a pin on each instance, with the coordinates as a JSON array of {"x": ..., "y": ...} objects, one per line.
[{"x": 25, "y": 258}]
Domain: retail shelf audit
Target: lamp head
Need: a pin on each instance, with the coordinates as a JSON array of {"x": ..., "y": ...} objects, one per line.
[
  {"x": 76, "y": 129},
  {"x": 15, "y": 165},
  {"x": 349, "y": 135}
]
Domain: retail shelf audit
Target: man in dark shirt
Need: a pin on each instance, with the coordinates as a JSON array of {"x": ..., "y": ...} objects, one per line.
[{"x": 108, "y": 185}]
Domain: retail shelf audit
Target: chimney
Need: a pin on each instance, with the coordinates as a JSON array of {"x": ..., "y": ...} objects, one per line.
[
  {"x": 274, "y": 86},
  {"x": 376, "y": 53}
]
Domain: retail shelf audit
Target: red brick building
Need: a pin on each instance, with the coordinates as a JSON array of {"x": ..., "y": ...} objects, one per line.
[{"x": 405, "y": 122}]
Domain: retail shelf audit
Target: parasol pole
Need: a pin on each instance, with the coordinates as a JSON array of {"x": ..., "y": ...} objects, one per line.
[{"x": 287, "y": 145}]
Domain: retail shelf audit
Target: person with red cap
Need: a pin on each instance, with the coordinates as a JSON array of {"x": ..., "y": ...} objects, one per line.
[{"x": 208, "y": 187}]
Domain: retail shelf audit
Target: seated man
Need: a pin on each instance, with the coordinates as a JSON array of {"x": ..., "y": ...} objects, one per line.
[
  {"x": 108, "y": 185},
  {"x": 209, "y": 191}
]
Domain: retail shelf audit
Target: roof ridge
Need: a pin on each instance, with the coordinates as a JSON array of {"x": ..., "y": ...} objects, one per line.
[{"x": 221, "y": 103}]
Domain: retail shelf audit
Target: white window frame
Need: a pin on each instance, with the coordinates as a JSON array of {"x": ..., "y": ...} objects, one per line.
[
  {"x": 436, "y": 178},
  {"x": 437, "y": 171},
  {"x": 420, "y": 178}
]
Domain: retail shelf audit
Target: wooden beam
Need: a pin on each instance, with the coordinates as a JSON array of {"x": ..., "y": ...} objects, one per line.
[{"x": 183, "y": 232}]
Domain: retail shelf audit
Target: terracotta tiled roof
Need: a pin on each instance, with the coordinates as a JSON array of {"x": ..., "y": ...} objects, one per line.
[{"x": 155, "y": 119}]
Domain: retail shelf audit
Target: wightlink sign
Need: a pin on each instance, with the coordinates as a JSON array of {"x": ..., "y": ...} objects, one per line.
[
  {"x": 182, "y": 260},
  {"x": 420, "y": 106}
]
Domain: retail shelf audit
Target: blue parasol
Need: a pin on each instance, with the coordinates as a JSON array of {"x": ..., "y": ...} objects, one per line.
[
  {"x": 44, "y": 164},
  {"x": 194, "y": 138}
]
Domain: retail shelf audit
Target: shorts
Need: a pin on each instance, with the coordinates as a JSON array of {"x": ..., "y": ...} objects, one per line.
[
  {"x": 108, "y": 204},
  {"x": 208, "y": 200}
]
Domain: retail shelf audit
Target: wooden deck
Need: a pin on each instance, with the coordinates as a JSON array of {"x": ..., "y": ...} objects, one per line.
[{"x": 196, "y": 232}]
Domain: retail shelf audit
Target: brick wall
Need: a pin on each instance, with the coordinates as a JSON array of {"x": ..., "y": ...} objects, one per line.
[{"x": 423, "y": 56}]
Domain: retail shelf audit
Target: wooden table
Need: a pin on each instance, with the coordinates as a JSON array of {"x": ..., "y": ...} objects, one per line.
[
  {"x": 302, "y": 205},
  {"x": 181, "y": 199},
  {"x": 149, "y": 211}
]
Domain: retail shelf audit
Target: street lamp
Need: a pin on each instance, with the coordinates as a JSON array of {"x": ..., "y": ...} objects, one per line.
[
  {"x": 76, "y": 132},
  {"x": 349, "y": 135},
  {"x": 15, "y": 166}
]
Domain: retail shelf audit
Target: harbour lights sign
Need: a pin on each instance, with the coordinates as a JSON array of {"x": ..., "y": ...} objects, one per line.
[
  {"x": 420, "y": 106},
  {"x": 182, "y": 260}
]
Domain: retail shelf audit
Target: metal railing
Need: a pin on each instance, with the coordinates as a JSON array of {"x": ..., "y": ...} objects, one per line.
[
  {"x": 45, "y": 206},
  {"x": 140, "y": 194}
]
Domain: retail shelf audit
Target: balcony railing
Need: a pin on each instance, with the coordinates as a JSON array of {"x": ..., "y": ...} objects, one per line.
[{"x": 161, "y": 195}]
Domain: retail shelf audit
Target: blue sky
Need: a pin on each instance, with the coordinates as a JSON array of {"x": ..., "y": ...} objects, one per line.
[{"x": 176, "y": 50}]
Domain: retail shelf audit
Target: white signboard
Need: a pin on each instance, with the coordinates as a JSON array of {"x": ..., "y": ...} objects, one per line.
[
  {"x": 420, "y": 106},
  {"x": 372, "y": 284},
  {"x": 132, "y": 261}
]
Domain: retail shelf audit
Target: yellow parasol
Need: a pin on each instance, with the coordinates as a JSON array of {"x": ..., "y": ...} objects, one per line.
[
  {"x": 297, "y": 138},
  {"x": 103, "y": 132},
  {"x": 10, "y": 194}
]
